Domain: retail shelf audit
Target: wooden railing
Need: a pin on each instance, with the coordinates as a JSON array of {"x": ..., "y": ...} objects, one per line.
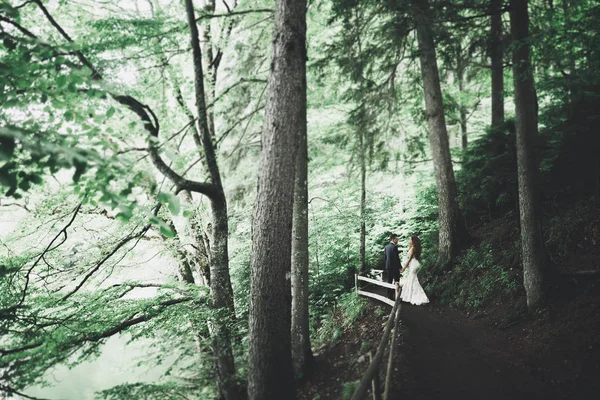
[
  {"x": 379, "y": 297},
  {"x": 371, "y": 375}
]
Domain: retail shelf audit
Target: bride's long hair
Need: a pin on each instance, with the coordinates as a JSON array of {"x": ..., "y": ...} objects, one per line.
[{"x": 416, "y": 247}]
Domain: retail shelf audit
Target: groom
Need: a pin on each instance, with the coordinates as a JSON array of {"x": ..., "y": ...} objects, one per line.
[{"x": 392, "y": 263}]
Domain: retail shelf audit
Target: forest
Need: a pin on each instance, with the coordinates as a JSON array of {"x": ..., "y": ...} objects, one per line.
[{"x": 188, "y": 189}]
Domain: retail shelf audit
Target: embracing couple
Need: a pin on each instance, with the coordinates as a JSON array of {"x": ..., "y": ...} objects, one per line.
[{"x": 412, "y": 292}]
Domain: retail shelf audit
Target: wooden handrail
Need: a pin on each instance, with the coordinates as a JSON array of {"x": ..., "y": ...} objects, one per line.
[
  {"x": 376, "y": 297},
  {"x": 376, "y": 282},
  {"x": 388, "y": 373},
  {"x": 373, "y": 368}
]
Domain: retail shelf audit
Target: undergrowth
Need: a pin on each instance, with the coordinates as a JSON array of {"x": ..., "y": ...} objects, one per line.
[
  {"x": 345, "y": 312},
  {"x": 490, "y": 270},
  {"x": 348, "y": 389},
  {"x": 478, "y": 277}
]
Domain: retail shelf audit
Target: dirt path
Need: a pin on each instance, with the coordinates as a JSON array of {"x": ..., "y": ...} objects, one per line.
[{"x": 450, "y": 357}]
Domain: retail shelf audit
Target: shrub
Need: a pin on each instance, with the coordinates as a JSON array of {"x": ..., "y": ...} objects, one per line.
[
  {"x": 327, "y": 327},
  {"x": 476, "y": 279}
]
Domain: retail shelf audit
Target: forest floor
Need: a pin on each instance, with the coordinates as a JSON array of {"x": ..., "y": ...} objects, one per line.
[
  {"x": 553, "y": 355},
  {"x": 495, "y": 352},
  {"x": 444, "y": 353},
  {"x": 346, "y": 360}
]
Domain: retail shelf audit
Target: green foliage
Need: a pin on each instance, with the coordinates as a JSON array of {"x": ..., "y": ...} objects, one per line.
[
  {"x": 487, "y": 181},
  {"x": 476, "y": 279},
  {"x": 365, "y": 347},
  {"x": 348, "y": 389},
  {"x": 352, "y": 306},
  {"x": 151, "y": 391},
  {"x": 566, "y": 231},
  {"x": 60, "y": 127},
  {"x": 343, "y": 313},
  {"x": 422, "y": 220}
]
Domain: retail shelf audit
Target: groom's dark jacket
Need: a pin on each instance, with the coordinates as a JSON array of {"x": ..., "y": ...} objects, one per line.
[{"x": 392, "y": 259}]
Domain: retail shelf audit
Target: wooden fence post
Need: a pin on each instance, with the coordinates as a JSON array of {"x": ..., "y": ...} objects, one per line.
[
  {"x": 375, "y": 384},
  {"x": 388, "y": 374},
  {"x": 371, "y": 371}
]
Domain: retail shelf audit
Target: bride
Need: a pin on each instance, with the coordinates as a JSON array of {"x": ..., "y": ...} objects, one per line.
[{"x": 412, "y": 292}]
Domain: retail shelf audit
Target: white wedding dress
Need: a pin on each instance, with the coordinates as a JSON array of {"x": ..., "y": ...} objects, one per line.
[{"x": 412, "y": 292}]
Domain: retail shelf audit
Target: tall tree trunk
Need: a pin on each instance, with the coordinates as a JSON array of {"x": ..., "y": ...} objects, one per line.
[
  {"x": 301, "y": 351},
  {"x": 220, "y": 282},
  {"x": 208, "y": 6},
  {"x": 460, "y": 74},
  {"x": 567, "y": 6},
  {"x": 463, "y": 129},
  {"x": 194, "y": 231},
  {"x": 270, "y": 371},
  {"x": 362, "y": 127},
  {"x": 363, "y": 200},
  {"x": 184, "y": 271},
  {"x": 452, "y": 228},
  {"x": 497, "y": 56},
  {"x": 527, "y": 137}
]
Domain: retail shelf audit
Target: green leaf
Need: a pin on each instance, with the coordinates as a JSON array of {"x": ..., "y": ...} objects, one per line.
[
  {"x": 36, "y": 179},
  {"x": 174, "y": 205},
  {"x": 22, "y": 83},
  {"x": 9, "y": 10},
  {"x": 80, "y": 167},
  {"x": 171, "y": 200},
  {"x": 166, "y": 231},
  {"x": 61, "y": 81},
  {"x": 24, "y": 185},
  {"x": 163, "y": 198},
  {"x": 110, "y": 112}
]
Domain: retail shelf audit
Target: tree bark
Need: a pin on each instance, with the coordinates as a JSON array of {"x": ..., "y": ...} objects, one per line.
[
  {"x": 208, "y": 6},
  {"x": 463, "y": 128},
  {"x": 363, "y": 200},
  {"x": 220, "y": 282},
  {"x": 567, "y": 6},
  {"x": 301, "y": 351},
  {"x": 270, "y": 371},
  {"x": 195, "y": 232},
  {"x": 497, "y": 56},
  {"x": 184, "y": 271},
  {"x": 452, "y": 228},
  {"x": 527, "y": 136},
  {"x": 460, "y": 74}
]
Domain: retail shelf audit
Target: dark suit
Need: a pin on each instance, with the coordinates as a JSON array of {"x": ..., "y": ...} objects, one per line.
[{"x": 392, "y": 266}]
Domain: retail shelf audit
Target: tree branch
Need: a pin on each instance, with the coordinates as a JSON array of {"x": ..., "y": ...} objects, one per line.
[
  {"x": 119, "y": 245},
  {"x": 128, "y": 323},
  {"x": 148, "y": 117},
  {"x": 241, "y": 81},
  {"x": 63, "y": 232},
  {"x": 95, "y": 74},
  {"x": 23, "y": 5},
  {"x": 234, "y": 13},
  {"x": 23, "y": 30},
  {"x": 8, "y": 389}
]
